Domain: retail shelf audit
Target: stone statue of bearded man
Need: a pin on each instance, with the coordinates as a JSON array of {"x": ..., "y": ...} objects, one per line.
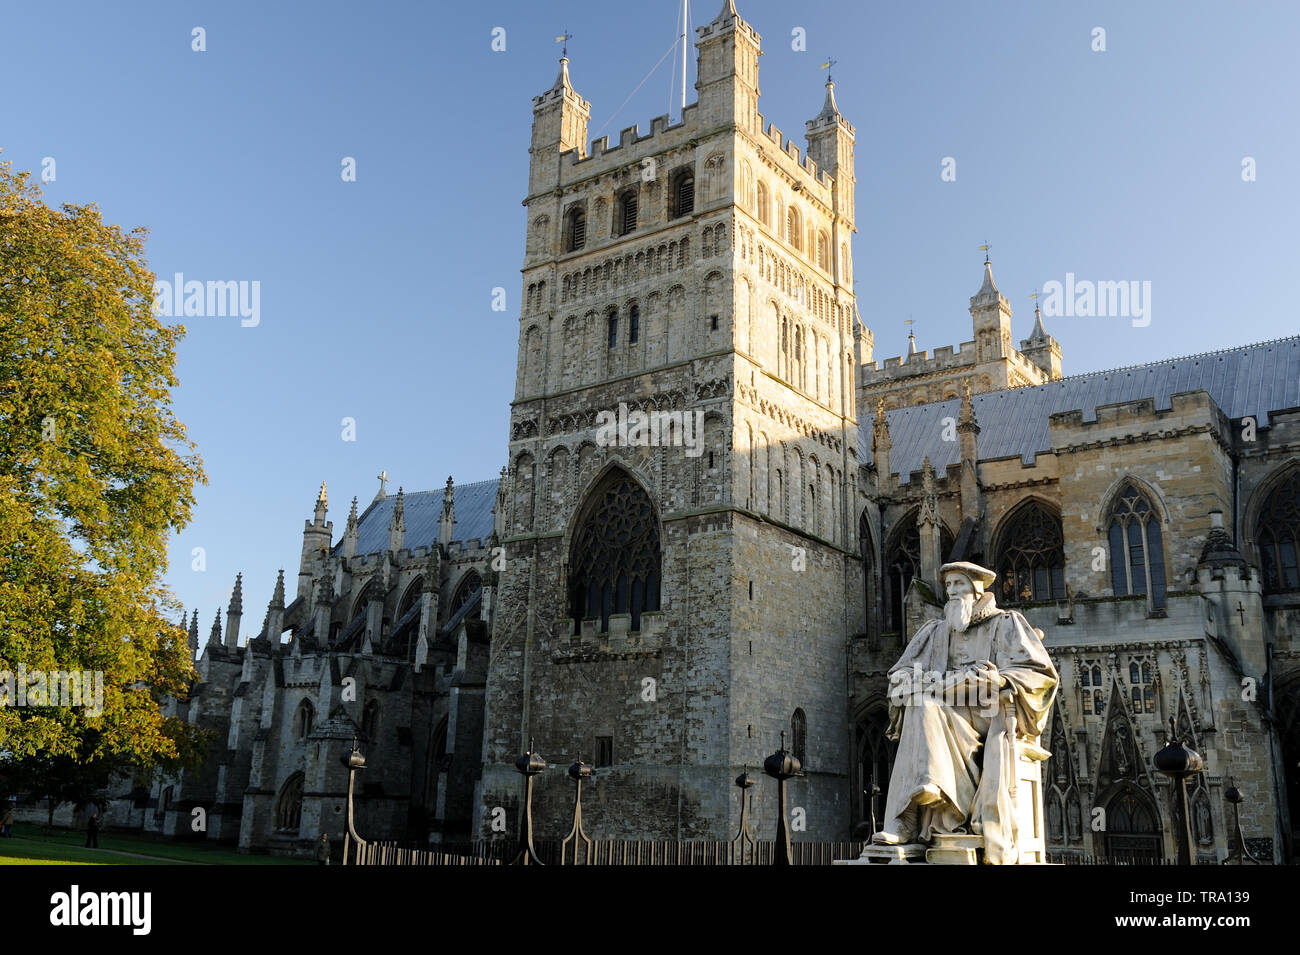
[{"x": 967, "y": 693}]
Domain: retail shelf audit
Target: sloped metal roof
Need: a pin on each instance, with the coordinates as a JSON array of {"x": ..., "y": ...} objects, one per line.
[
  {"x": 423, "y": 515},
  {"x": 1248, "y": 380}
]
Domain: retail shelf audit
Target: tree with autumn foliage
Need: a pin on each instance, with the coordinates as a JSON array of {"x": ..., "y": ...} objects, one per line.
[{"x": 95, "y": 473}]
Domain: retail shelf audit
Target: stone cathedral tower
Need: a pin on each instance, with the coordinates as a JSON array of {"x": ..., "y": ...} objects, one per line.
[{"x": 674, "y": 588}]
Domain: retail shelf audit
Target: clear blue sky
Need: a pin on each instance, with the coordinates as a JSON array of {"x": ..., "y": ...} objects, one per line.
[{"x": 375, "y": 295}]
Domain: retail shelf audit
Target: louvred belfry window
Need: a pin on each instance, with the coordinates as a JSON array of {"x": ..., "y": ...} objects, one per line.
[
  {"x": 1031, "y": 558},
  {"x": 629, "y": 204},
  {"x": 1278, "y": 534},
  {"x": 685, "y": 195},
  {"x": 614, "y": 563}
]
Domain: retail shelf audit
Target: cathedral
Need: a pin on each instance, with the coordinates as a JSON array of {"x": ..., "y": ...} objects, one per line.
[{"x": 745, "y": 556}]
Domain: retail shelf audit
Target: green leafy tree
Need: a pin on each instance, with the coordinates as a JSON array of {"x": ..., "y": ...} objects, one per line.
[{"x": 95, "y": 472}]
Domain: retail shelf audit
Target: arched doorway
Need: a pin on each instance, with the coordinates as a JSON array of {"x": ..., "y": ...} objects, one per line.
[{"x": 1132, "y": 833}]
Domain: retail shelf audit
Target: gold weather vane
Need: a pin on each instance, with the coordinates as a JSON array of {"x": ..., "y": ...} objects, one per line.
[
  {"x": 564, "y": 38},
  {"x": 985, "y": 249}
]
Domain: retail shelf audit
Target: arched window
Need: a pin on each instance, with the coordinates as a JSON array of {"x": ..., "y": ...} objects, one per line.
[
  {"x": 823, "y": 252},
  {"x": 1137, "y": 553},
  {"x": 288, "y": 807},
  {"x": 633, "y": 325},
  {"x": 799, "y": 737},
  {"x": 625, "y": 212},
  {"x": 868, "y": 550},
  {"x": 614, "y": 563},
  {"x": 794, "y": 228},
  {"x": 469, "y": 585},
  {"x": 410, "y": 598},
  {"x": 1278, "y": 535},
  {"x": 683, "y": 193},
  {"x": 902, "y": 563},
  {"x": 875, "y": 757},
  {"x": 303, "y": 720},
  {"x": 575, "y": 228},
  {"x": 1031, "y": 556},
  {"x": 612, "y": 325},
  {"x": 370, "y": 721},
  {"x": 764, "y": 205}
]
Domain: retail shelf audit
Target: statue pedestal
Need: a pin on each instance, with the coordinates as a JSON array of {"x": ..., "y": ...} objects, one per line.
[
  {"x": 887, "y": 855},
  {"x": 955, "y": 848}
]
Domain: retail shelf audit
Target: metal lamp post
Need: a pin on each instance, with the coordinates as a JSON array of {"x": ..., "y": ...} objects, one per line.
[
  {"x": 528, "y": 766},
  {"x": 781, "y": 765},
  {"x": 1178, "y": 762},
  {"x": 577, "y": 772},
  {"x": 744, "y": 782},
  {"x": 352, "y": 762},
  {"x": 1240, "y": 852}
]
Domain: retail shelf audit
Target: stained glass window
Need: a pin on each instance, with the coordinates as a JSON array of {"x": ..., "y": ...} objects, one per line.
[
  {"x": 1278, "y": 535},
  {"x": 1137, "y": 556},
  {"x": 1031, "y": 560}
]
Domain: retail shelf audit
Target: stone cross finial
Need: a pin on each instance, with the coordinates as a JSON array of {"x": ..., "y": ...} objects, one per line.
[{"x": 383, "y": 483}]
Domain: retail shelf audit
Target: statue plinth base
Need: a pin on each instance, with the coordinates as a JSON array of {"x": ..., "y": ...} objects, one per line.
[
  {"x": 887, "y": 855},
  {"x": 955, "y": 848}
]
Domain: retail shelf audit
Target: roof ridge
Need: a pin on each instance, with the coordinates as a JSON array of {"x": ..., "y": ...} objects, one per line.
[{"x": 1143, "y": 364}]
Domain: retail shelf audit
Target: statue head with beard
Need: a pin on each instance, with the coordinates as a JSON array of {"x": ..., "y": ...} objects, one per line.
[{"x": 966, "y": 585}]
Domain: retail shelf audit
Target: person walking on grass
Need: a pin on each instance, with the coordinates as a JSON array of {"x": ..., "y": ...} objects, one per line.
[
  {"x": 7, "y": 823},
  {"x": 323, "y": 850},
  {"x": 92, "y": 831}
]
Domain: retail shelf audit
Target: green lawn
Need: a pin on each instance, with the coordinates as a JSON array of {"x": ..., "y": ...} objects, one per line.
[{"x": 66, "y": 847}]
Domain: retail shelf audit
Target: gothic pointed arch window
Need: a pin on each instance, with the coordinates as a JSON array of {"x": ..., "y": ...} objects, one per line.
[
  {"x": 902, "y": 563},
  {"x": 764, "y": 210},
  {"x": 614, "y": 561},
  {"x": 1278, "y": 536},
  {"x": 303, "y": 719},
  {"x": 794, "y": 228},
  {"x": 874, "y": 753},
  {"x": 1137, "y": 553},
  {"x": 1031, "y": 556},
  {"x": 288, "y": 807},
  {"x": 868, "y": 550},
  {"x": 370, "y": 721},
  {"x": 469, "y": 585}
]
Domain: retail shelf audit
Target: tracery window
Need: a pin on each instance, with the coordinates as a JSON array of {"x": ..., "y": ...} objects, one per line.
[
  {"x": 288, "y": 808},
  {"x": 902, "y": 563},
  {"x": 1031, "y": 558},
  {"x": 471, "y": 584},
  {"x": 614, "y": 564},
  {"x": 1137, "y": 554},
  {"x": 1278, "y": 534}
]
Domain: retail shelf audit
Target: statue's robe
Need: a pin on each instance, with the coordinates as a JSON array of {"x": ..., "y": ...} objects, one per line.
[{"x": 959, "y": 744}]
